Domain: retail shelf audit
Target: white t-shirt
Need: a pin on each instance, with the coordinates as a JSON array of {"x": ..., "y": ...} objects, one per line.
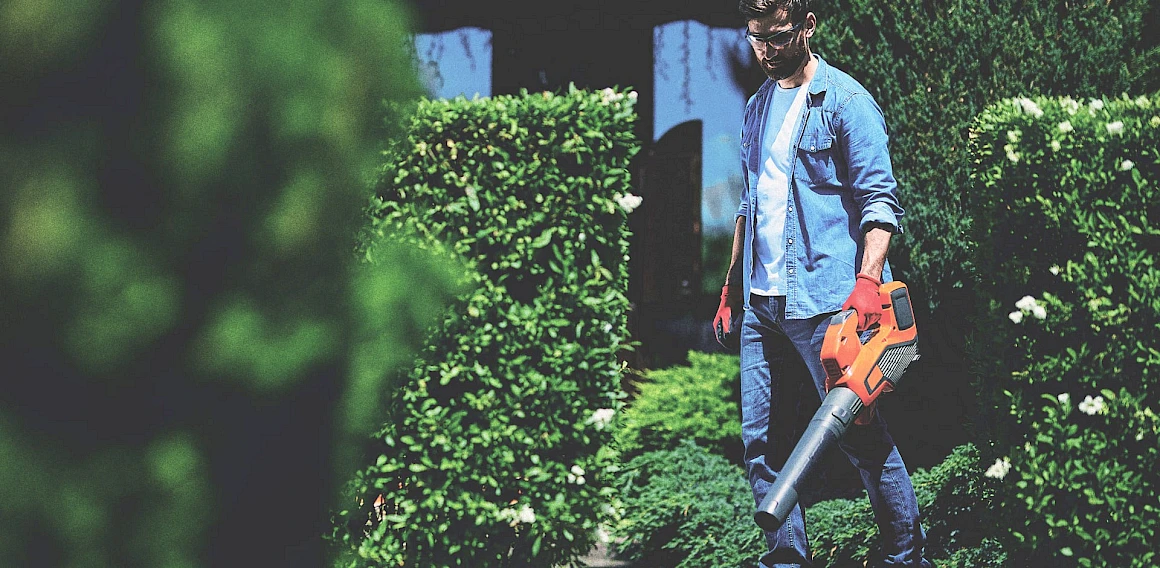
[{"x": 785, "y": 110}]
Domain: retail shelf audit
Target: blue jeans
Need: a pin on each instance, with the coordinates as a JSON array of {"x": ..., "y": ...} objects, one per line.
[{"x": 773, "y": 350}]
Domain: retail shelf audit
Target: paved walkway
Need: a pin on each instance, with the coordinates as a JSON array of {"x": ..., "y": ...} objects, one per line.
[{"x": 601, "y": 557}]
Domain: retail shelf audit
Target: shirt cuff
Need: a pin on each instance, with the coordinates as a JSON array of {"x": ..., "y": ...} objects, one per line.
[{"x": 880, "y": 214}]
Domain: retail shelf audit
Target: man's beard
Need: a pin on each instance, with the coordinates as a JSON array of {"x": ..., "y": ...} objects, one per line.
[{"x": 787, "y": 66}]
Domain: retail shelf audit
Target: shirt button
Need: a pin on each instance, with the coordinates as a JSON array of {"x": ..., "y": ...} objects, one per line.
[
  {"x": 813, "y": 149},
  {"x": 791, "y": 241},
  {"x": 790, "y": 271}
]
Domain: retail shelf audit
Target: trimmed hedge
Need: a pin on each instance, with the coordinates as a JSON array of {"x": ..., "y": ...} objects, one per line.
[
  {"x": 698, "y": 402},
  {"x": 1066, "y": 211},
  {"x": 494, "y": 453}
]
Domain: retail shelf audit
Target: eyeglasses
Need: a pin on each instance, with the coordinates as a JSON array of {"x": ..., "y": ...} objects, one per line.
[{"x": 775, "y": 40}]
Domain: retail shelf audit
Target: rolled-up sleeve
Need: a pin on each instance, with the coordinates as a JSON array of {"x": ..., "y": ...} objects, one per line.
[{"x": 875, "y": 190}]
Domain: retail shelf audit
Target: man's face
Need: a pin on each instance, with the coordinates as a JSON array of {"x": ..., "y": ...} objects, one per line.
[{"x": 780, "y": 44}]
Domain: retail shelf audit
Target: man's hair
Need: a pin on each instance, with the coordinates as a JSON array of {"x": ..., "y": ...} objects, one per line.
[{"x": 754, "y": 9}]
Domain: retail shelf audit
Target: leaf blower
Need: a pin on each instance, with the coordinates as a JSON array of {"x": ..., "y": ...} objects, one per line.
[{"x": 857, "y": 373}]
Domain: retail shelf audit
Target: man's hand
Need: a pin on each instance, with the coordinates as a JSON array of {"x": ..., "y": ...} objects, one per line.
[
  {"x": 722, "y": 323},
  {"x": 865, "y": 300}
]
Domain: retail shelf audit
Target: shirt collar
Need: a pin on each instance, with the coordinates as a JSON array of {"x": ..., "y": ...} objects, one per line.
[{"x": 821, "y": 79}]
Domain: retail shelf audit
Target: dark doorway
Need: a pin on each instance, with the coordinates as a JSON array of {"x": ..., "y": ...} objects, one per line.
[{"x": 665, "y": 275}]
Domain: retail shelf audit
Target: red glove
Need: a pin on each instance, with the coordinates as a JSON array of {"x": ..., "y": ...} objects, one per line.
[
  {"x": 723, "y": 322},
  {"x": 865, "y": 300}
]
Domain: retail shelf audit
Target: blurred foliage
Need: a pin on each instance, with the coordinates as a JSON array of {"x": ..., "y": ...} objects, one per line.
[
  {"x": 934, "y": 65},
  {"x": 1066, "y": 209},
  {"x": 496, "y": 451},
  {"x": 698, "y": 402},
  {"x": 190, "y": 348}
]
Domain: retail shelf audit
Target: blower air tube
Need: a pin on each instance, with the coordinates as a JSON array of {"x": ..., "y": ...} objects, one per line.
[{"x": 828, "y": 425}]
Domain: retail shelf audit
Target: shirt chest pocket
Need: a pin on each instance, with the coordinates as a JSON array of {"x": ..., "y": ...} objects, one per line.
[{"x": 816, "y": 157}]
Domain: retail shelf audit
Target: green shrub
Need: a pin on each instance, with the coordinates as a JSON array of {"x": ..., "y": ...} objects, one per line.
[
  {"x": 698, "y": 402},
  {"x": 956, "y": 502},
  {"x": 842, "y": 532},
  {"x": 494, "y": 452},
  {"x": 935, "y": 65},
  {"x": 988, "y": 554},
  {"x": 686, "y": 507},
  {"x": 1066, "y": 211}
]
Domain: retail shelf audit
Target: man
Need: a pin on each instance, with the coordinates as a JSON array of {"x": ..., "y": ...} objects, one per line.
[{"x": 817, "y": 213}]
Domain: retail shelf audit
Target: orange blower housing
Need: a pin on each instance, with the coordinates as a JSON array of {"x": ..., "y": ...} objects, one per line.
[
  {"x": 875, "y": 366},
  {"x": 857, "y": 373}
]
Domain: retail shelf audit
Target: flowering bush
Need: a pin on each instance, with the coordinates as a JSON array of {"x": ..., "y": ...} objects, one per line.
[
  {"x": 1065, "y": 214},
  {"x": 494, "y": 453}
]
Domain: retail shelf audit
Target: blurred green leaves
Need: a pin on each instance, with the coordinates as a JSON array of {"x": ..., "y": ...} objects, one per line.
[
  {"x": 191, "y": 346},
  {"x": 39, "y": 36}
]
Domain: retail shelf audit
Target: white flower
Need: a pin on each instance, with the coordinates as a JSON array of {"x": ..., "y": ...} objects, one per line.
[
  {"x": 1070, "y": 105},
  {"x": 602, "y": 418},
  {"x": 1030, "y": 107},
  {"x": 576, "y": 475},
  {"x": 1092, "y": 406},
  {"x": 1065, "y": 126},
  {"x": 1116, "y": 127},
  {"x": 628, "y": 202},
  {"x": 632, "y": 96},
  {"x": 525, "y": 515},
  {"x": 1127, "y": 165},
  {"x": 1143, "y": 102},
  {"x": 610, "y": 96},
  {"x": 999, "y": 469},
  {"x": 1054, "y": 269},
  {"x": 1016, "y": 317},
  {"x": 1012, "y": 154},
  {"x": 1039, "y": 312},
  {"x": 1013, "y": 135},
  {"x": 1026, "y": 303},
  {"x": 1064, "y": 399},
  {"x": 1096, "y": 104},
  {"x": 1055, "y": 145}
]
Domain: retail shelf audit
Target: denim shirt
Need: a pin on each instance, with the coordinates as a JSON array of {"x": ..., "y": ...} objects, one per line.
[{"x": 840, "y": 181}]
